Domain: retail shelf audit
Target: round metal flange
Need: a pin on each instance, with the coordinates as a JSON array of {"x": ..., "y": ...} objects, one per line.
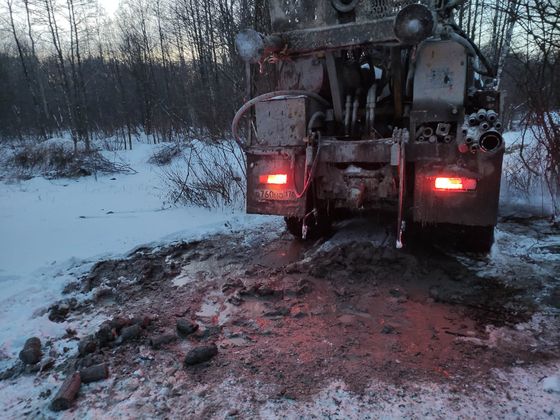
[{"x": 343, "y": 6}]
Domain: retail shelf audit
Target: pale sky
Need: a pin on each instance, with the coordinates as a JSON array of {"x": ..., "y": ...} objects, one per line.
[{"x": 110, "y": 6}]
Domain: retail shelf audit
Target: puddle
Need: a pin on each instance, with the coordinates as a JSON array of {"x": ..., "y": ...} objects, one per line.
[
  {"x": 214, "y": 309},
  {"x": 288, "y": 252}
]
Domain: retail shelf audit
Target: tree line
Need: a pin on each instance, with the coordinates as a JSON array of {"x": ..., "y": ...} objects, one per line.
[
  {"x": 167, "y": 67},
  {"x": 170, "y": 69}
]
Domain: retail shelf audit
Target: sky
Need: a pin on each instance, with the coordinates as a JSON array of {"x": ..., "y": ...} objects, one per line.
[{"x": 110, "y": 6}]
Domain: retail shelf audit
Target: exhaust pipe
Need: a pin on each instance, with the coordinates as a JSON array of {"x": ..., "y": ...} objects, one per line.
[{"x": 491, "y": 141}]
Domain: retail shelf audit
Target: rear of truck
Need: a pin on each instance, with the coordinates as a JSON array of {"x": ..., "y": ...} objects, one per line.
[{"x": 375, "y": 105}]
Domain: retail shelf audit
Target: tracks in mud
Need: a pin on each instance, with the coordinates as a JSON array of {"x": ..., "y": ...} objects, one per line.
[{"x": 297, "y": 316}]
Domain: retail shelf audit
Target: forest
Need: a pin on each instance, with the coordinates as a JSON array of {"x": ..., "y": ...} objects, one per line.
[{"x": 170, "y": 68}]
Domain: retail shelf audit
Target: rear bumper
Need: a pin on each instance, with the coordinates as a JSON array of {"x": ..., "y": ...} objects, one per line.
[{"x": 363, "y": 175}]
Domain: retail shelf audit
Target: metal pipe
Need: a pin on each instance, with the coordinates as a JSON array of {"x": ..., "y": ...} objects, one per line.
[
  {"x": 491, "y": 141},
  {"x": 428, "y": 132},
  {"x": 347, "y": 114},
  {"x": 355, "y": 107},
  {"x": 370, "y": 107},
  {"x": 481, "y": 115}
]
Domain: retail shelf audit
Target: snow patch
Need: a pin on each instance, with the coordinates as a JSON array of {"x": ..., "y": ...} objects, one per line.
[{"x": 551, "y": 384}]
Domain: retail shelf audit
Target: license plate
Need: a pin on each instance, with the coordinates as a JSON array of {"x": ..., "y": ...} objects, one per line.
[{"x": 287, "y": 195}]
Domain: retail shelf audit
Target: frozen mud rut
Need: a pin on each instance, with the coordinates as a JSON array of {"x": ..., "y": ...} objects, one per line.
[{"x": 346, "y": 327}]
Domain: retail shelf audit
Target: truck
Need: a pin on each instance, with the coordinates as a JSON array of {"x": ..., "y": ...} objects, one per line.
[{"x": 371, "y": 105}]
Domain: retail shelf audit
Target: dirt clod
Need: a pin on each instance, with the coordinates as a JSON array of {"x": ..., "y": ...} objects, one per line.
[
  {"x": 186, "y": 327},
  {"x": 201, "y": 354},
  {"x": 130, "y": 333},
  {"x": 31, "y": 352}
]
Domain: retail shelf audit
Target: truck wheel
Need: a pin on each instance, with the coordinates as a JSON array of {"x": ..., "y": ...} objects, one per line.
[
  {"x": 294, "y": 225},
  {"x": 477, "y": 239},
  {"x": 317, "y": 229}
]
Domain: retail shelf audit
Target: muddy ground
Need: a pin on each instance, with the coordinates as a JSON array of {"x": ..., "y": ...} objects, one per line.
[{"x": 346, "y": 327}]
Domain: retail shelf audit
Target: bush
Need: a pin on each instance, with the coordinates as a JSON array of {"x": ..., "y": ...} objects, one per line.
[
  {"x": 166, "y": 155},
  {"x": 56, "y": 160},
  {"x": 210, "y": 175}
]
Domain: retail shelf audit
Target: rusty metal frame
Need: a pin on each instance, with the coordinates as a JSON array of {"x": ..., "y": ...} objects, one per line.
[{"x": 340, "y": 36}]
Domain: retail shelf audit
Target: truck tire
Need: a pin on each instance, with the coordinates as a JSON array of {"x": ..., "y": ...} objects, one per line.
[
  {"x": 476, "y": 239},
  {"x": 322, "y": 227},
  {"x": 294, "y": 225}
]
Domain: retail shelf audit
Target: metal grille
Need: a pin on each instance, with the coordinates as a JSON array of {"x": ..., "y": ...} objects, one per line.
[
  {"x": 297, "y": 14},
  {"x": 293, "y": 14},
  {"x": 378, "y": 9}
]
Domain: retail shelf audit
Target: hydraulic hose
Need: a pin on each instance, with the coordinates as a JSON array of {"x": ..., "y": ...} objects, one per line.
[
  {"x": 311, "y": 174},
  {"x": 461, "y": 37},
  {"x": 454, "y": 3},
  {"x": 314, "y": 119},
  {"x": 264, "y": 97}
]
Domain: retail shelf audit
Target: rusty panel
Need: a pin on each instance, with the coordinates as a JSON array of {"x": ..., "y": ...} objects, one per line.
[
  {"x": 340, "y": 36},
  {"x": 477, "y": 208},
  {"x": 275, "y": 199},
  {"x": 281, "y": 121},
  {"x": 440, "y": 79},
  {"x": 356, "y": 187},
  {"x": 303, "y": 73},
  {"x": 365, "y": 151}
]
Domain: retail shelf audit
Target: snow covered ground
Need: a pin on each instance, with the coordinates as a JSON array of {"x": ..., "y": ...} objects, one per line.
[
  {"x": 53, "y": 231},
  {"x": 50, "y": 228}
]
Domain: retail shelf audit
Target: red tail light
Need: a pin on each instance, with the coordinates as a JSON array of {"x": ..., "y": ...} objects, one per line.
[
  {"x": 274, "y": 179},
  {"x": 455, "y": 184}
]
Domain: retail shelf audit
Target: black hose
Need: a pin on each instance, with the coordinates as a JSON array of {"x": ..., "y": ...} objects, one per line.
[
  {"x": 264, "y": 97},
  {"x": 490, "y": 70}
]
